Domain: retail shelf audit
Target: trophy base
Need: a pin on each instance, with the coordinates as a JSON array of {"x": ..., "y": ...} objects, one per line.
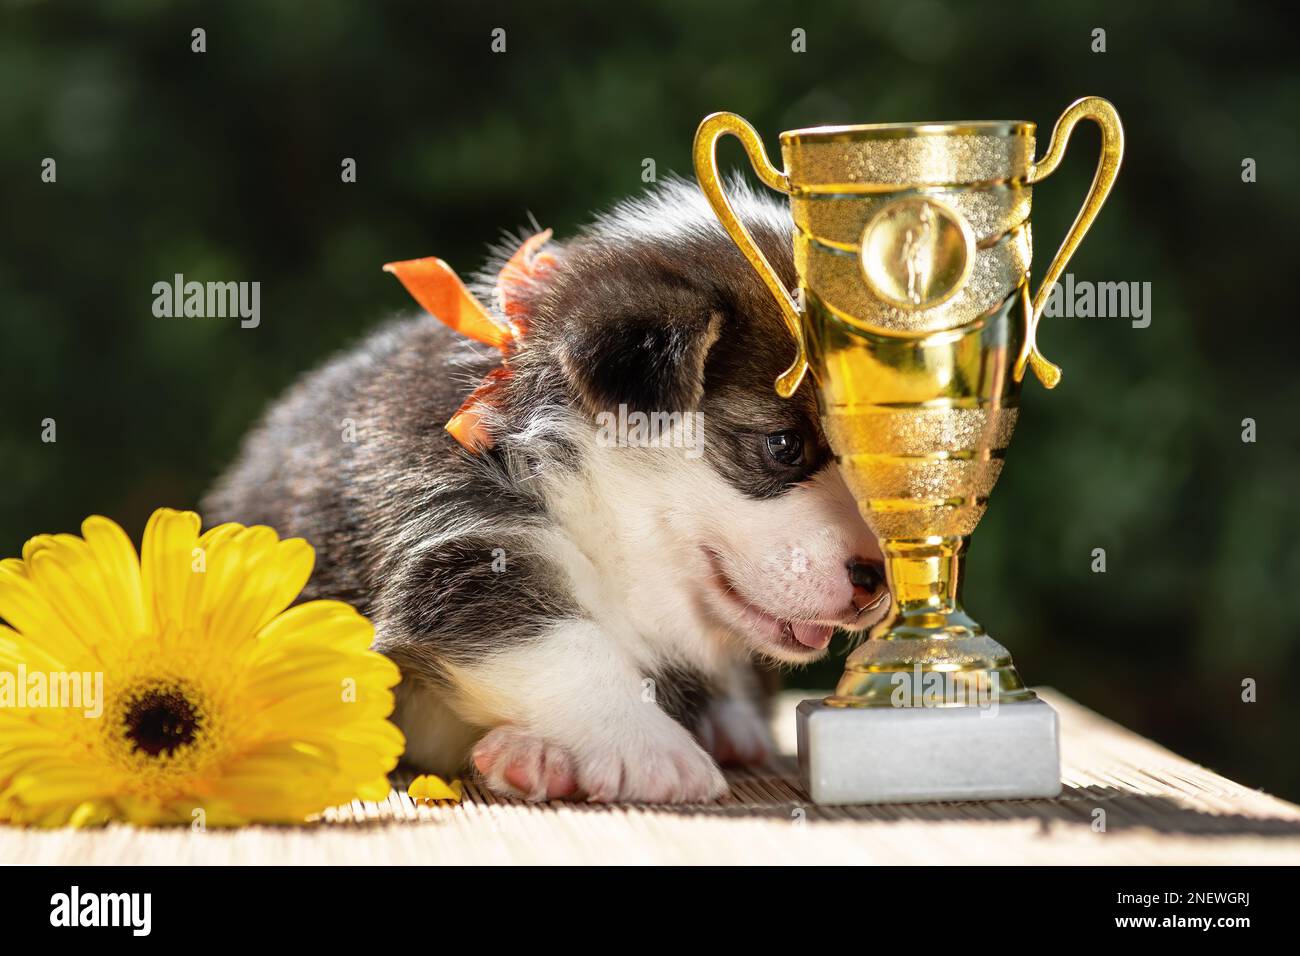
[{"x": 924, "y": 754}]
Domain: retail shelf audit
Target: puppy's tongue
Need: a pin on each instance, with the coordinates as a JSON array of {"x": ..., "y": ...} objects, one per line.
[{"x": 809, "y": 634}]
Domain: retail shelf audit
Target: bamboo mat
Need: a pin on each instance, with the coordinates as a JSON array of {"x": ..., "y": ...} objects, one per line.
[{"x": 1158, "y": 808}]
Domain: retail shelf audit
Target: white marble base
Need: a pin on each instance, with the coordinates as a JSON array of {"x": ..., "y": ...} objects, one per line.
[{"x": 922, "y": 754}]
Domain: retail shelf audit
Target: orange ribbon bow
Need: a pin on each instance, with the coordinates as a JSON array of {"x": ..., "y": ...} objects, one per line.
[{"x": 438, "y": 289}]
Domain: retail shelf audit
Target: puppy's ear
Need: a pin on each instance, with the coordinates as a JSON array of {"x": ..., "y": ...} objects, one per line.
[{"x": 646, "y": 351}]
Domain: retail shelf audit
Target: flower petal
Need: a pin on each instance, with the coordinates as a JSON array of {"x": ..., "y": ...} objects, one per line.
[
  {"x": 167, "y": 556},
  {"x": 432, "y": 787}
]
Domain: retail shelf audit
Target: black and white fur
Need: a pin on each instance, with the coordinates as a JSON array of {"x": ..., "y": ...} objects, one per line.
[{"x": 574, "y": 619}]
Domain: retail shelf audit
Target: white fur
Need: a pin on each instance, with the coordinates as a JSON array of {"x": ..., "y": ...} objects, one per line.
[
  {"x": 644, "y": 519},
  {"x": 578, "y": 690},
  {"x": 634, "y": 534}
]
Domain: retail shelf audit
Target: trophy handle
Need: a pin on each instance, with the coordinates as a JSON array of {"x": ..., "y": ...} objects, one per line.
[
  {"x": 1102, "y": 113},
  {"x": 705, "y": 153}
]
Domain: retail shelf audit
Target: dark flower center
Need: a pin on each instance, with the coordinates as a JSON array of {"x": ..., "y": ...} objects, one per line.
[{"x": 160, "y": 721}]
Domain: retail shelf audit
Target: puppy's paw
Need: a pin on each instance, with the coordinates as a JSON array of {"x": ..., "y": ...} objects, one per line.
[
  {"x": 518, "y": 764},
  {"x": 664, "y": 766},
  {"x": 732, "y": 729}
]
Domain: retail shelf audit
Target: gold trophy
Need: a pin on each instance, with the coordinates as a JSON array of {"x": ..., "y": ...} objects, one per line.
[{"x": 915, "y": 317}]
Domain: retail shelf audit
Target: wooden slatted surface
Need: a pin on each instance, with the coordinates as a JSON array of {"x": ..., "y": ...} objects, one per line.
[{"x": 1158, "y": 808}]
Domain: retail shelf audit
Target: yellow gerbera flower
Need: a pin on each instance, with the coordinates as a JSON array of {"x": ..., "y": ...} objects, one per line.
[{"x": 178, "y": 688}]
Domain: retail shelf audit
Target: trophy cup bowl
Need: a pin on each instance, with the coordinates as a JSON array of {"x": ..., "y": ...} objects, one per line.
[{"x": 914, "y": 317}]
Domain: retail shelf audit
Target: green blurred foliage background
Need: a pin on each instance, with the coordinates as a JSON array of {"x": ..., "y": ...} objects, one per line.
[{"x": 225, "y": 166}]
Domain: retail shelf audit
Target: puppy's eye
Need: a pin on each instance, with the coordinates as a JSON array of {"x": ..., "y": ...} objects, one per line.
[{"x": 786, "y": 447}]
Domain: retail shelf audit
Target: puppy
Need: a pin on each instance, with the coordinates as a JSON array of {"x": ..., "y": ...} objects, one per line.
[{"x": 575, "y": 610}]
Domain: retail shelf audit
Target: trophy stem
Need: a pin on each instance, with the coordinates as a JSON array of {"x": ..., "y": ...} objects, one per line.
[
  {"x": 925, "y": 584},
  {"x": 928, "y": 651}
]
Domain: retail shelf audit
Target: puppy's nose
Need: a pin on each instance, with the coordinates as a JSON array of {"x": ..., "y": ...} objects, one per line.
[{"x": 868, "y": 580}]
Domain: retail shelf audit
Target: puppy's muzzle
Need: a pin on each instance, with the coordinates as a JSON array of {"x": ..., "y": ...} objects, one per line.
[{"x": 869, "y": 586}]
